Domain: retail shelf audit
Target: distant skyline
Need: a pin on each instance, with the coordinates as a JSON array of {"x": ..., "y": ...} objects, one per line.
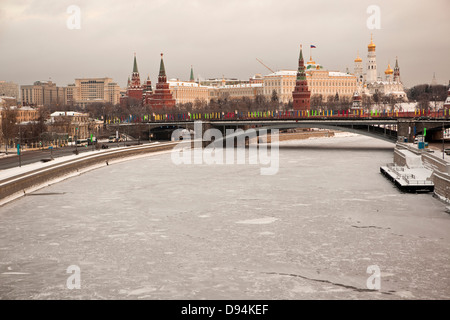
[{"x": 217, "y": 38}]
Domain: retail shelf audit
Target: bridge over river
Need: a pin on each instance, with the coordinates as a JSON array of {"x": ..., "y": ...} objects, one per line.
[{"x": 387, "y": 127}]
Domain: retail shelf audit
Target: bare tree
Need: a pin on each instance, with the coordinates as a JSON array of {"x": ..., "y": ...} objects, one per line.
[
  {"x": 345, "y": 103},
  {"x": 424, "y": 102},
  {"x": 316, "y": 101},
  {"x": 366, "y": 101},
  {"x": 10, "y": 128}
]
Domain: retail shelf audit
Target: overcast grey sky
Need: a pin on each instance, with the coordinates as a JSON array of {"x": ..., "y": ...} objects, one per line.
[{"x": 217, "y": 37}]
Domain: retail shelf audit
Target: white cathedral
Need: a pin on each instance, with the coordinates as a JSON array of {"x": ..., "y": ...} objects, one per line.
[{"x": 369, "y": 83}]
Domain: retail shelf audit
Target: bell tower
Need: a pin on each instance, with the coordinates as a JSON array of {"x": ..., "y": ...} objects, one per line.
[
  {"x": 358, "y": 70},
  {"x": 371, "y": 74}
]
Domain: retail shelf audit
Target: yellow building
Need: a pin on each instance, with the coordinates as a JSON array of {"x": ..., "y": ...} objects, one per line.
[
  {"x": 282, "y": 82},
  {"x": 27, "y": 114},
  {"x": 23, "y": 114},
  {"x": 326, "y": 83},
  {"x": 70, "y": 94},
  {"x": 7, "y": 101},
  {"x": 185, "y": 92},
  {"x": 73, "y": 124},
  {"x": 91, "y": 90},
  {"x": 238, "y": 91},
  {"x": 43, "y": 93},
  {"x": 9, "y": 89}
]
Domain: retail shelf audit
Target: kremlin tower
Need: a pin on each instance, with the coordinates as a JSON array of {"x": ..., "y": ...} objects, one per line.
[
  {"x": 301, "y": 94},
  {"x": 147, "y": 91},
  {"x": 371, "y": 62},
  {"x": 162, "y": 97},
  {"x": 356, "y": 101},
  {"x": 396, "y": 71},
  {"x": 134, "y": 88}
]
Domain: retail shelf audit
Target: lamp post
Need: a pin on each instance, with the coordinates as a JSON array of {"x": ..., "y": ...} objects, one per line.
[
  {"x": 76, "y": 146},
  {"x": 435, "y": 106},
  {"x": 20, "y": 144}
]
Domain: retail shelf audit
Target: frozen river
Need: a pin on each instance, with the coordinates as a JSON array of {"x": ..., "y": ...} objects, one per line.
[{"x": 148, "y": 229}]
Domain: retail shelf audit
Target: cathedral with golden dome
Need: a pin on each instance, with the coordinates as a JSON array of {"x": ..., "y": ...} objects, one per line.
[{"x": 370, "y": 83}]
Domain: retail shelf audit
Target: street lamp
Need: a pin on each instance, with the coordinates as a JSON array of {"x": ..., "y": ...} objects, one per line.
[
  {"x": 18, "y": 147},
  {"x": 76, "y": 146},
  {"x": 443, "y": 140}
]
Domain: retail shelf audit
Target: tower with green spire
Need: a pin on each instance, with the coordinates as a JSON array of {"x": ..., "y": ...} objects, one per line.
[
  {"x": 191, "y": 79},
  {"x": 162, "y": 97},
  {"x": 301, "y": 94},
  {"x": 147, "y": 91},
  {"x": 162, "y": 71},
  {"x": 134, "y": 89},
  {"x": 135, "y": 68}
]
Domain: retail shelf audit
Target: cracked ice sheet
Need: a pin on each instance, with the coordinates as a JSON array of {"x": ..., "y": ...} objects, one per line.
[{"x": 147, "y": 229}]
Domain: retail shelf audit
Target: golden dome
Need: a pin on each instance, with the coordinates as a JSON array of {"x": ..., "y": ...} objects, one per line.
[{"x": 389, "y": 70}]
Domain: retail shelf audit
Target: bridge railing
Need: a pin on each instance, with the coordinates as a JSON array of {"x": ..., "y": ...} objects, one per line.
[{"x": 282, "y": 115}]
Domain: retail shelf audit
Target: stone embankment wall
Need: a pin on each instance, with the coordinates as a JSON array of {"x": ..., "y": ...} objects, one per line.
[
  {"x": 23, "y": 183},
  {"x": 399, "y": 158},
  {"x": 440, "y": 168}
]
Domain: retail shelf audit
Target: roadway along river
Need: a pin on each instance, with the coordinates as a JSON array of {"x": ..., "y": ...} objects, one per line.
[{"x": 147, "y": 228}]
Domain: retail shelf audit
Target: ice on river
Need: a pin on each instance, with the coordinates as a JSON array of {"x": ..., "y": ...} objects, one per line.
[{"x": 149, "y": 229}]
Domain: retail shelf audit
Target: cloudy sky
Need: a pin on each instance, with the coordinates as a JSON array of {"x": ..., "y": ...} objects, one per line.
[{"x": 217, "y": 37}]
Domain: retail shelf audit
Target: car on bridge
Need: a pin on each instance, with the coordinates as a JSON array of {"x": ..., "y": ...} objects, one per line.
[{"x": 114, "y": 139}]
